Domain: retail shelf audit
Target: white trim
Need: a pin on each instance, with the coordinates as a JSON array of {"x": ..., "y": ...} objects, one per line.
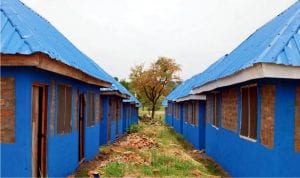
[
  {"x": 248, "y": 138},
  {"x": 217, "y": 128},
  {"x": 191, "y": 97},
  {"x": 257, "y": 71}
]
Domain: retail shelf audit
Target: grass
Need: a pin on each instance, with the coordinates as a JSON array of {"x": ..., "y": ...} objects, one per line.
[{"x": 172, "y": 156}]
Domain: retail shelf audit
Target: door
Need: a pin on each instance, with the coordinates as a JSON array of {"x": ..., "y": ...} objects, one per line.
[
  {"x": 39, "y": 130},
  {"x": 81, "y": 126}
]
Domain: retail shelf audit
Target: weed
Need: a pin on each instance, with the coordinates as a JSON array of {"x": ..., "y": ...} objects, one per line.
[
  {"x": 135, "y": 128},
  {"x": 115, "y": 169}
]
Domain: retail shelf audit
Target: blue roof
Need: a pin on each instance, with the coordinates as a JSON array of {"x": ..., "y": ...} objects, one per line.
[
  {"x": 133, "y": 99},
  {"x": 276, "y": 42},
  {"x": 117, "y": 86},
  {"x": 25, "y": 32}
]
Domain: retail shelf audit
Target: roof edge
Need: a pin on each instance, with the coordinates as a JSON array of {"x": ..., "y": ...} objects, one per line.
[
  {"x": 116, "y": 93},
  {"x": 191, "y": 97},
  {"x": 43, "y": 61},
  {"x": 257, "y": 71}
]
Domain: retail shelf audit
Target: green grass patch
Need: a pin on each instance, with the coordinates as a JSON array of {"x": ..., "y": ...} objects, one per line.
[
  {"x": 135, "y": 128},
  {"x": 115, "y": 169}
]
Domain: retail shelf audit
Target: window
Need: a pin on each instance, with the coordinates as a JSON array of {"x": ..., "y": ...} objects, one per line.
[
  {"x": 249, "y": 111},
  {"x": 91, "y": 110},
  {"x": 190, "y": 112},
  {"x": 186, "y": 110},
  {"x": 207, "y": 110},
  {"x": 177, "y": 111},
  {"x": 216, "y": 100},
  {"x": 7, "y": 119},
  {"x": 64, "y": 96},
  {"x": 110, "y": 109},
  {"x": 76, "y": 110},
  {"x": 195, "y": 113},
  {"x": 97, "y": 107},
  {"x": 118, "y": 108},
  {"x": 101, "y": 108}
]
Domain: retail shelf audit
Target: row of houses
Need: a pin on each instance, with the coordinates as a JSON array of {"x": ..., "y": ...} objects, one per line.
[
  {"x": 244, "y": 109},
  {"x": 57, "y": 105}
]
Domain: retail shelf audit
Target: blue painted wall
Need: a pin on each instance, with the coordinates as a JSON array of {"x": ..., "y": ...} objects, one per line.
[
  {"x": 62, "y": 153},
  {"x": 194, "y": 134},
  {"x": 103, "y": 123},
  {"x": 241, "y": 157}
]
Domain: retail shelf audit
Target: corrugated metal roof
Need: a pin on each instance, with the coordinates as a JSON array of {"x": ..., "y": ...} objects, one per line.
[
  {"x": 118, "y": 86},
  {"x": 25, "y": 32},
  {"x": 276, "y": 42},
  {"x": 185, "y": 88}
]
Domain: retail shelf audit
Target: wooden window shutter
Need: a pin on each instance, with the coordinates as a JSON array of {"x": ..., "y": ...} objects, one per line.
[
  {"x": 196, "y": 113},
  {"x": 253, "y": 111},
  {"x": 185, "y": 106},
  {"x": 68, "y": 111},
  {"x": 53, "y": 97},
  {"x": 64, "y": 115},
  {"x": 91, "y": 109},
  {"x": 101, "y": 107},
  {"x": 8, "y": 108},
  {"x": 245, "y": 107},
  {"x": 207, "y": 112},
  {"x": 216, "y": 98},
  {"x": 97, "y": 107},
  {"x": 76, "y": 110},
  {"x": 110, "y": 109},
  {"x": 249, "y": 111}
]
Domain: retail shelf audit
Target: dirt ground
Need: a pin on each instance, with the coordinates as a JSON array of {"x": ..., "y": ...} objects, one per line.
[{"x": 150, "y": 149}]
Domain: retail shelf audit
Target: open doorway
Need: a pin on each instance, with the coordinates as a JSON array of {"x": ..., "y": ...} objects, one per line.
[
  {"x": 39, "y": 130},
  {"x": 81, "y": 126}
]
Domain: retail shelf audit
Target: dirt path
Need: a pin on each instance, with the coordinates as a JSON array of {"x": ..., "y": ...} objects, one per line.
[{"x": 150, "y": 150}]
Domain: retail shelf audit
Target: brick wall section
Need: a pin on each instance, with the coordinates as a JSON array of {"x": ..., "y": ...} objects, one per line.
[
  {"x": 7, "y": 116},
  {"x": 230, "y": 109},
  {"x": 267, "y": 115},
  {"x": 207, "y": 110},
  {"x": 297, "y": 120}
]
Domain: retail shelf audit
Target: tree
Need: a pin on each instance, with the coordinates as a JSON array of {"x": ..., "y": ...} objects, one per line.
[{"x": 150, "y": 84}]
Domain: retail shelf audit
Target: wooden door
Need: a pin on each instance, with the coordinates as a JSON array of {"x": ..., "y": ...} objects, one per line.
[
  {"x": 81, "y": 126},
  {"x": 39, "y": 130}
]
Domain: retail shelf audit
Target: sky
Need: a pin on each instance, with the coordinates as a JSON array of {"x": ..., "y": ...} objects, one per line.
[{"x": 119, "y": 34}]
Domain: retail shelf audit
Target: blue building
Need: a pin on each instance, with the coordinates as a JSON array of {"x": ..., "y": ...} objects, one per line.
[
  {"x": 118, "y": 113},
  {"x": 253, "y": 101},
  {"x": 50, "y": 97},
  {"x": 185, "y": 113}
]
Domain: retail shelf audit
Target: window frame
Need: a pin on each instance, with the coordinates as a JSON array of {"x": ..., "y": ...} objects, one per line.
[
  {"x": 216, "y": 107},
  {"x": 249, "y": 138}
]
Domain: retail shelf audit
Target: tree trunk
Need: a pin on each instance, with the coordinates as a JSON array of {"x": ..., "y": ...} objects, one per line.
[{"x": 152, "y": 111}]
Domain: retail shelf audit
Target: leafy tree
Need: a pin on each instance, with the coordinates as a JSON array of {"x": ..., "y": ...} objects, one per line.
[
  {"x": 150, "y": 84},
  {"x": 126, "y": 84}
]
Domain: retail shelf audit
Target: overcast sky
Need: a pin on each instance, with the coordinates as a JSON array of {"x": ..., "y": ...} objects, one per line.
[{"x": 119, "y": 34}]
